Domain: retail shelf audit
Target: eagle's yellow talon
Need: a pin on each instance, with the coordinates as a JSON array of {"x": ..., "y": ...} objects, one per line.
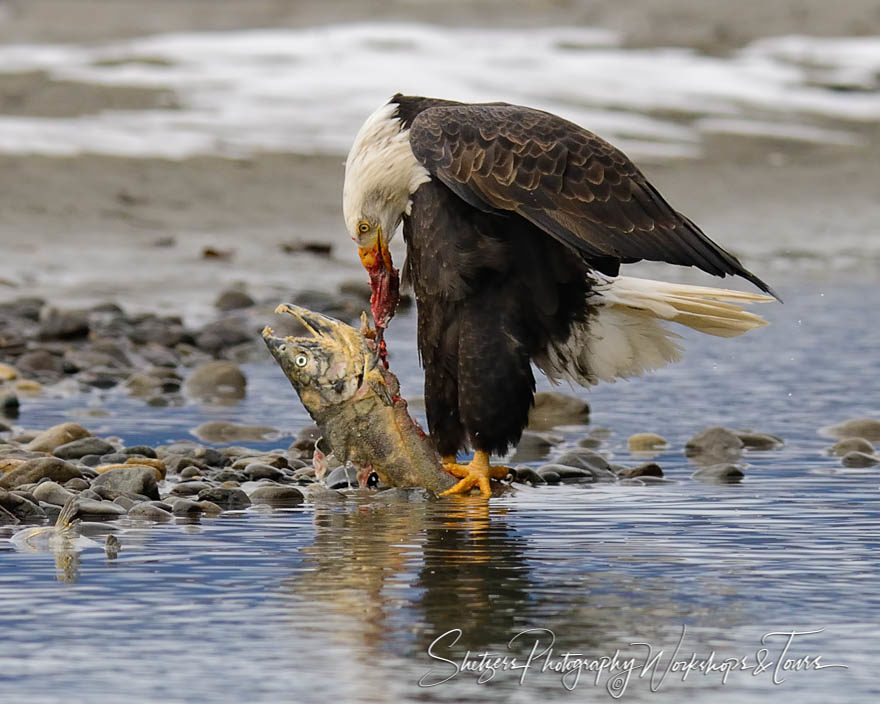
[{"x": 476, "y": 473}]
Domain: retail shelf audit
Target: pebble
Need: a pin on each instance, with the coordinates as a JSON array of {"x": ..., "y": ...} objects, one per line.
[
  {"x": 190, "y": 472},
  {"x": 528, "y": 475},
  {"x": 186, "y": 507},
  {"x": 76, "y": 484},
  {"x": 277, "y": 495},
  {"x": 133, "y": 479},
  {"x": 650, "y": 469},
  {"x": 156, "y": 380},
  {"x": 101, "y": 510},
  {"x": 553, "y": 409},
  {"x": 40, "y": 361},
  {"x": 646, "y": 442},
  {"x": 841, "y": 447},
  {"x": 257, "y": 470},
  {"x": 222, "y": 334},
  {"x": 28, "y": 386},
  {"x": 34, "y": 470},
  {"x": 216, "y": 382},
  {"x": 722, "y": 473},
  {"x": 867, "y": 428},
  {"x": 57, "y": 435},
  {"x": 149, "y": 512},
  {"x": 233, "y": 299},
  {"x": 228, "y": 499},
  {"x": 52, "y": 493},
  {"x": 21, "y": 508},
  {"x": 759, "y": 441},
  {"x": 220, "y": 432},
  {"x": 210, "y": 508},
  {"x": 112, "y": 547},
  {"x": 534, "y": 446},
  {"x": 57, "y": 324},
  {"x": 142, "y": 450},
  {"x": 714, "y": 446},
  {"x": 125, "y": 501},
  {"x": 84, "y": 446},
  {"x": 190, "y": 488},
  {"x": 859, "y": 459},
  {"x": 9, "y": 404},
  {"x": 7, "y": 372},
  {"x": 584, "y": 458}
]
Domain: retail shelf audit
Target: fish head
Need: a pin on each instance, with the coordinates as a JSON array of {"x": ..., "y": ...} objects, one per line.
[{"x": 325, "y": 367}]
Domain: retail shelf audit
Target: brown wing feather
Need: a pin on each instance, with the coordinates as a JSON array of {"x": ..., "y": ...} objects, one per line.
[{"x": 569, "y": 182}]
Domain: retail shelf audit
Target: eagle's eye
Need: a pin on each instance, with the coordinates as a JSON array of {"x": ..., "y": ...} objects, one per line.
[
  {"x": 363, "y": 227},
  {"x": 301, "y": 360}
]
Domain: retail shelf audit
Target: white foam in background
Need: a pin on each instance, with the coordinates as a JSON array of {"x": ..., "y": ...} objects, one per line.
[{"x": 307, "y": 90}]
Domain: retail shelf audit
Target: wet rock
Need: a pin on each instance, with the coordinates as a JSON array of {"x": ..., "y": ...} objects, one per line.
[
  {"x": 590, "y": 442},
  {"x": 228, "y": 475},
  {"x": 210, "y": 456},
  {"x": 257, "y": 470},
  {"x": 210, "y": 508},
  {"x": 21, "y": 508},
  {"x": 142, "y": 450},
  {"x": 76, "y": 484},
  {"x": 112, "y": 547},
  {"x": 343, "y": 477},
  {"x": 134, "y": 479},
  {"x": 583, "y": 458},
  {"x": 186, "y": 507},
  {"x": 7, "y": 518},
  {"x": 859, "y": 459},
  {"x": 52, "y": 493},
  {"x": 156, "y": 380},
  {"x": 277, "y": 495},
  {"x": 714, "y": 446},
  {"x": 646, "y": 442},
  {"x": 159, "y": 355},
  {"x": 39, "y": 468},
  {"x": 190, "y": 488},
  {"x": 230, "y": 499},
  {"x": 553, "y": 409},
  {"x": 176, "y": 465},
  {"x": 9, "y": 405},
  {"x": 98, "y": 510},
  {"x": 126, "y": 502},
  {"x": 759, "y": 441},
  {"x": 38, "y": 362},
  {"x": 8, "y": 373},
  {"x": 534, "y": 446},
  {"x": 723, "y": 473},
  {"x": 57, "y": 435},
  {"x": 167, "y": 331},
  {"x": 221, "y": 431},
  {"x": 190, "y": 472},
  {"x": 566, "y": 473},
  {"x": 149, "y": 512},
  {"x": 57, "y": 324},
  {"x": 80, "y": 448},
  {"x": 548, "y": 475},
  {"x": 867, "y": 428},
  {"x": 222, "y": 334},
  {"x": 216, "y": 382},
  {"x": 528, "y": 475},
  {"x": 233, "y": 299},
  {"x": 842, "y": 447},
  {"x": 650, "y": 469},
  {"x": 273, "y": 460}
]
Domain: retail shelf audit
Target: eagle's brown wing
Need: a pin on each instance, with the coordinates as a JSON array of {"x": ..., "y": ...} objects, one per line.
[{"x": 567, "y": 181}]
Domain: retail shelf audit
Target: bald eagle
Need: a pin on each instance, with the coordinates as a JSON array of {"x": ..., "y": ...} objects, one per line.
[{"x": 516, "y": 222}]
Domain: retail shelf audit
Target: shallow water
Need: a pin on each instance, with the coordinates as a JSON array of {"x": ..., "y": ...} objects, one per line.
[{"x": 342, "y": 600}]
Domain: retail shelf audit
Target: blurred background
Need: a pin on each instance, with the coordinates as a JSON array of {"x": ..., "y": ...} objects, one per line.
[{"x": 153, "y": 152}]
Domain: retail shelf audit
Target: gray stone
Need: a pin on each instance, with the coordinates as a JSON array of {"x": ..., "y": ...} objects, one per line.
[
  {"x": 258, "y": 470},
  {"x": 57, "y": 435},
  {"x": 21, "y": 508},
  {"x": 84, "y": 446},
  {"x": 646, "y": 442},
  {"x": 134, "y": 479},
  {"x": 210, "y": 508},
  {"x": 216, "y": 382},
  {"x": 190, "y": 488},
  {"x": 553, "y": 409},
  {"x": 228, "y": 499},
  {"x": 149, "y": 512},
  {"x": 185, "y": 507},
  {"x": 343, "y": 477},
  {"x": 222, "y": 334},
  {"x": 859, "y": 459},
  {"x": 867, "y": 428},
  {"x": 125, "y": 501},
  {"x": 56, "y": 324},
  {"x": 233, "y": 299},
  {"x": 39, "y": 468},
  {"x": 190, "y": 472},
  {"x": 52, "y": 493},
  {"x": 112, "y": 547},
  {"x": 142, "y": 450},
  {"x": 583, "y": 458},
  {"x": 534, "y": 446},
  {"x": 714, "y": 446},
  {"x": 227, "y": 475},
  {"x": 719, "y": 474},
  {"x": 528, "y": 475},
  {"x": 548, "y": 475},
  {"x": 100, "y": 510},
  {"x": 650, "y": 469},
  {"x": 759, "y": 441},
  {"x": 222, "y": 432},
  {"x": 40, "y": 363},
  {"x": 841, "y": 447},
  {"x": 277, "y": 495},
  {"x": 76, "y": 484}
]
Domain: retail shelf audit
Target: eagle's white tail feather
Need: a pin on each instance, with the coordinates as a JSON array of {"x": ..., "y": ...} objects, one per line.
[{"x": 626, "y": 335}]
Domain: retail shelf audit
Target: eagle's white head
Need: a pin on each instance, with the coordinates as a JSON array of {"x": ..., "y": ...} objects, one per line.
[{"x": 381, "y": 174}]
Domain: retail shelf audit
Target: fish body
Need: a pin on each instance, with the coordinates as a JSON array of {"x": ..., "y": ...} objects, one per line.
[{"x": 340, "y": 379}]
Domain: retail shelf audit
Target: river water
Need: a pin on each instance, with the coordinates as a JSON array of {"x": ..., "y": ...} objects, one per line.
[{"x": 373, "y": 600}]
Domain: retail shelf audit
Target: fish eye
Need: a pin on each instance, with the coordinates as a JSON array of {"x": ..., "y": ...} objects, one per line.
[
  {"x": 282, "y": 348},
  {"x": 301, "y": 360},
  {"x": 363, "y": 227}
]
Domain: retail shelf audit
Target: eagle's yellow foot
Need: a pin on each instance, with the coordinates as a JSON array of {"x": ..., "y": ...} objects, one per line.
[{"x": 476, "y": 473}]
